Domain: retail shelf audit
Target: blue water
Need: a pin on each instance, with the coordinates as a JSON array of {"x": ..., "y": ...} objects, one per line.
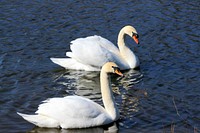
[{"x": 162, "y": 96}]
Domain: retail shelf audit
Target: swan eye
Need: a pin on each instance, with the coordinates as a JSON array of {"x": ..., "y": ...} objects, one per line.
[
  {"x": 115, "y": 67},
  {"x": 136, "y": 35}
]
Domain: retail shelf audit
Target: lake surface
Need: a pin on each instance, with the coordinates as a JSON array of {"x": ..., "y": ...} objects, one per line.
[{"x": 163, "y": 96}]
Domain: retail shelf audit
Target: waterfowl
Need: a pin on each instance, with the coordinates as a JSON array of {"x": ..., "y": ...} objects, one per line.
[
  {"x": 78, "y": 112},
  {"x": 92, "y": 52}
]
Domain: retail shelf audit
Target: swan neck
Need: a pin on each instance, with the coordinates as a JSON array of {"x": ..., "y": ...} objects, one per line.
[
  {"x": 107, "y": 96},
  {"x": 121, "y": 37}
]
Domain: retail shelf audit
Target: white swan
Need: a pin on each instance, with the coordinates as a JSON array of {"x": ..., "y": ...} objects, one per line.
[
  {"x": 79, "y": 112},
  {"x": 92, "y": 52}
]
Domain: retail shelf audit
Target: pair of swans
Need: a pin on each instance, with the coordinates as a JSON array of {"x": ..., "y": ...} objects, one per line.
[
  {"x": 92, "y": 52},
  {"x": 79, "y": 112}
]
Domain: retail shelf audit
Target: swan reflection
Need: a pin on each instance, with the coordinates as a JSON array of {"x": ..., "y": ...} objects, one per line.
[
  {"x": 82, "y": 83},
  {"x": 111, "y": 128}
]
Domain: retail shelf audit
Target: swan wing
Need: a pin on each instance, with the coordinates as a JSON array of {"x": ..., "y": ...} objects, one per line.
[
  {"x": 74, "y": 112},
  {"x": 93, "y": 51}
]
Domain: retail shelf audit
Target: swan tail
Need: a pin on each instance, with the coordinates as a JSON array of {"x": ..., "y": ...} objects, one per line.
[
  {"x": 64, "y": 62},
  {"x": 69, "y": 54},
  {"x": 40, "y": 120},
  {"x": 69, "y": 63}
]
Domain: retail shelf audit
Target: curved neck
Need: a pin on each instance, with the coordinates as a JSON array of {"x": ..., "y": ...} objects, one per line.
[
  {"x": 107, "y": 96},
  {"x": 126, "y": 52},
  {"x": 120, "y": 40}
]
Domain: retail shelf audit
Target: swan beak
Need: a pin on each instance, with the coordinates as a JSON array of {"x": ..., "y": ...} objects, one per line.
[
  {"x": 135, "y": 39},
  {"x": 118, "y": 73}
]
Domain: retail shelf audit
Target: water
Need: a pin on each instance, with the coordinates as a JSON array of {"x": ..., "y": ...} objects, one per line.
[{"x": 162, "y": 96}]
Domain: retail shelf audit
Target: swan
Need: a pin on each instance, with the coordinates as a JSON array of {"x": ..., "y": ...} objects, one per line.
[
  {"x": 78, "y": 112},
  {"x": 92, "y": 52}
]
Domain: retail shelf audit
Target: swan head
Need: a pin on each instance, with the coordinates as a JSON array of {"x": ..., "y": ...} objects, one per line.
[
  {"x": 111, "y": 67},
  {"x": 131, "y": 31}
]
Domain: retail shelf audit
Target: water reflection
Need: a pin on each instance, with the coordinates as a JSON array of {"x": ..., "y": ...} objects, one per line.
[
  {"x": 104, "y": 129},
  {"x": 80, "y": 83},
  {"x": 131, "y": 77}
]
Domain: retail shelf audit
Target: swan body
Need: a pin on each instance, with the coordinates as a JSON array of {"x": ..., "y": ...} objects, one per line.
[
  {"x": 78, "y": 112},
  {"x": 92, "y": 52}
]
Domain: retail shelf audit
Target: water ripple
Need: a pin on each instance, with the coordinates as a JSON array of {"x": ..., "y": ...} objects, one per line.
[{"x": 149, "y": 99}]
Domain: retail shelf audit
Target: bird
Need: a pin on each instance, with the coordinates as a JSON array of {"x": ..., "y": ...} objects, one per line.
[
  {"x": 92, "y": 52},
  {"x": 71, "y": 112}
]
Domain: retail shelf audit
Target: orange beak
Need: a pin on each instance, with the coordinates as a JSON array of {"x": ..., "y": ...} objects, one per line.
[
  {"x": 136, "y": 39},
  {"x": 119, "y": 73}
]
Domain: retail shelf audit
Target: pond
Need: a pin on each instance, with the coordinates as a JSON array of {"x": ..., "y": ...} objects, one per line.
[{"x": 163, "y": 96}]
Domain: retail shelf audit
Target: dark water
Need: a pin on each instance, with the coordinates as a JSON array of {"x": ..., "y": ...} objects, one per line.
[{"x": 161, "y": 97}]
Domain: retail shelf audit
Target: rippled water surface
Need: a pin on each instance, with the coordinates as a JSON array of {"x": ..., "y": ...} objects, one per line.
[{"x": 162, "y": 96}]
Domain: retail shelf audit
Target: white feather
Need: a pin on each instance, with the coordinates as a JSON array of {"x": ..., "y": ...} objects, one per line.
[{"x": 41, "y": 120}]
